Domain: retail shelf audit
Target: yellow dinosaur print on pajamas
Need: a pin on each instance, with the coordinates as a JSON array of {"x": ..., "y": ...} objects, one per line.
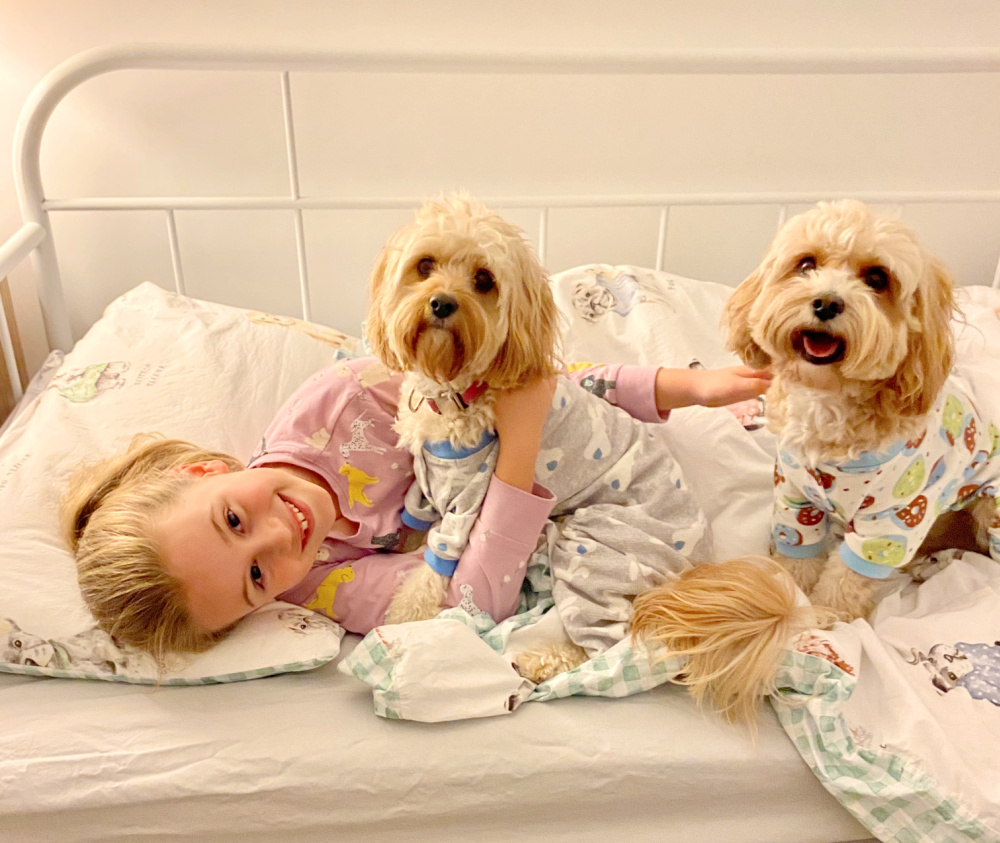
[
  {"x": 327, "y": 590},
  {"x": 356, "y": 482}
]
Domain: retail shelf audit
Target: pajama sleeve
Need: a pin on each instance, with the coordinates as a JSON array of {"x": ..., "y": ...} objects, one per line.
[
  {"x": 798, "y": 528},
  {"x": 869, "y": 551},
  {"x": 460, "y": 482},
  {"x": 490, "y": 573},
  {"x": 633, "y": 388},
  {"x": 418, "y": 512}
]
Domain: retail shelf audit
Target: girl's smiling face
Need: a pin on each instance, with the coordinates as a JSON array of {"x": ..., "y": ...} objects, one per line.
[{"x": 238, "y": 539}]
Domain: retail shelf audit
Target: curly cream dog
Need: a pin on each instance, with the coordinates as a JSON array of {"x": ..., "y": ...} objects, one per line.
[
  {"x": 853, "y": 315},
  {"x": 461, "y": 304},
  {"x": 883, "y": 458}
]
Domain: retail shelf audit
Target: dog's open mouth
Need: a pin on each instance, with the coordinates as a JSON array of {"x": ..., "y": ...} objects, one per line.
[{"x": 819, "y": 347}]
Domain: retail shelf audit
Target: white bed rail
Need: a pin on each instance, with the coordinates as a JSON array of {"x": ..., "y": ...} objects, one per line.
[{"x": 36, "y": 236}]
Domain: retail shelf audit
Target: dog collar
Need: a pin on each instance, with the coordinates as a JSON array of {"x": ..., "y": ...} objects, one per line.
[{"x": 462, "y": 400}]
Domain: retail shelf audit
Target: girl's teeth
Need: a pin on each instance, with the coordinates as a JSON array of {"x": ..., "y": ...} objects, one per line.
[{"x": 300, "y": 516}]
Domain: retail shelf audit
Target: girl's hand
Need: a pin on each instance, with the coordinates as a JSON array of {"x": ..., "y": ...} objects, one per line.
[
  {"x": 709, "y": 387},
  {"x": 520, "y": 418},
  {"x": 719, "y": 387}
]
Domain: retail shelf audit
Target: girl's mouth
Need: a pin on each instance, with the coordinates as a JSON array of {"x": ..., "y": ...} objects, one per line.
[{"x": 302, "y": 518}]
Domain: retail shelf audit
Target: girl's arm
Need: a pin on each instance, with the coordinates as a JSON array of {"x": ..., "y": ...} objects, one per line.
[
  {"x": 708, "y": 387},
  {"x": 649, "y": 393},
  {"x": 492, "y": 567}
]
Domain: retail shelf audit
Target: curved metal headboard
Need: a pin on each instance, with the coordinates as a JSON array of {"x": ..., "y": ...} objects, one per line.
[{"x": 35, "y": 237}]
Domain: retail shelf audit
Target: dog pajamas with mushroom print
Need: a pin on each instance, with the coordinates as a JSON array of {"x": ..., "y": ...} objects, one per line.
[
  {"x": 889, "y": 500},
  {"x": 625, "y": 519}
]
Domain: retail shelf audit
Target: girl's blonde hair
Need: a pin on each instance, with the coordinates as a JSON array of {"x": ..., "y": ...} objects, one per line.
[{"x": 108, "y": 519}]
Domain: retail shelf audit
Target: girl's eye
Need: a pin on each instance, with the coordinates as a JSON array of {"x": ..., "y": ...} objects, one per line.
[
  {"x": 425, "y": 266},
  {"x": 876, "y": 277},
  {"x": 805, "y": 264},
  {"x": 484, "y": 281},
  {"x": 256, "y": 575},
  {"x": 233, "y": 520}
]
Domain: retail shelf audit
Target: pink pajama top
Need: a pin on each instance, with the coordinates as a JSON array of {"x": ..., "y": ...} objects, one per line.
[{"x": 338, "y": 424}]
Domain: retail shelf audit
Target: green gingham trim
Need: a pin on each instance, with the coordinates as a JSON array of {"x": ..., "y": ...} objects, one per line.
[
  {"x": 623, "y": 670},
  {"x": 130, "y": 679},
  {"x": 620, "y": 672},
  {"x": 371, "y": 662},
  {"x": 890, "y": 795}
]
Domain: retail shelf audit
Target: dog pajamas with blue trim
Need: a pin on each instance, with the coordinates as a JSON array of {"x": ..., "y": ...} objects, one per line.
[
  {"x": 626, "y": 521},
  {"x": 889, "y": 500}
]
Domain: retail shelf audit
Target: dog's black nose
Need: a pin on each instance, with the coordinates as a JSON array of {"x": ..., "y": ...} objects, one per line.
[
  {"x": 828, "y": 306},
  {"x": 442, "y": 305}
]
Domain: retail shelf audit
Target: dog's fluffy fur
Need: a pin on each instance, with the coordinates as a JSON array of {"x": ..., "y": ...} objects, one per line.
[
  {"x": 892, "y": 337},
  {"x": 861, "y": 378},
  {"x": 730, "y": 621},
  {"x": 502, "y": 331}
]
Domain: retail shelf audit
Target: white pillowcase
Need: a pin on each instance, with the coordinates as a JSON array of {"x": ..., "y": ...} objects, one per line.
[{"x": 160, "y": 362}]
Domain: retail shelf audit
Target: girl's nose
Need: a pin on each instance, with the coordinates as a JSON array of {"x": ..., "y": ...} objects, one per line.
[{"x": 273, "y": 535}]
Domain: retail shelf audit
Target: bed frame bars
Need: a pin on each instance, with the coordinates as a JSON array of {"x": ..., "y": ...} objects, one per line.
[{"x": 34, "y": 238}]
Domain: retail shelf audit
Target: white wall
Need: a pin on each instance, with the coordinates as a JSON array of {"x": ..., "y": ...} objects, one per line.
[{"x": 148, "y": 133}]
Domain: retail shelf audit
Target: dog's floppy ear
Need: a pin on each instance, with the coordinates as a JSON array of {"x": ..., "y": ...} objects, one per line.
[
  {"x": 930, "y": 350},
  {"x": 736, "y": 320},
  {"x": 376, "y": 331},
  {"x": 531, "y": 347}
]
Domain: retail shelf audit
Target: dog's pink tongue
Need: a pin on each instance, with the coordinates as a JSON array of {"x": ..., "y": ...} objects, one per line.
[{"x": 819, "y": 345}]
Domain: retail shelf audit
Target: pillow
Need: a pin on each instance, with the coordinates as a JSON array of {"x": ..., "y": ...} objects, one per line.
[
  {"x": 160, "y": 362},
  {"x": 626, "y": 314}
]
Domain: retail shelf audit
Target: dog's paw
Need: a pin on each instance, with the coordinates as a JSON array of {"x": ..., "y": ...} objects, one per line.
[
  {"x": 846, "y": 594},
  {"x": 419, "y": 597},
  {"x": 922, "y": 569},
  {"x": 805, "y": 572},
  {"x": 542, "y": 664}
]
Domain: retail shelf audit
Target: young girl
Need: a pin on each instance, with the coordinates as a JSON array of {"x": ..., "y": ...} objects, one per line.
[{"x": 175, "y": 543}]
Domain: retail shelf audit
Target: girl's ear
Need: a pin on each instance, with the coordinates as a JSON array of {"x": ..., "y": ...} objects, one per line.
[{"x": 204, "y": 468}]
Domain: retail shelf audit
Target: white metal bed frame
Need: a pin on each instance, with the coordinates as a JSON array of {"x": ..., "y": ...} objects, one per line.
[{"x": 35, "y": 239}]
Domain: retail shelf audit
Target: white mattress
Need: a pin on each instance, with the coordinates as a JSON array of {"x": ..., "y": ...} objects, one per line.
[{"x": 301, "y": 757}]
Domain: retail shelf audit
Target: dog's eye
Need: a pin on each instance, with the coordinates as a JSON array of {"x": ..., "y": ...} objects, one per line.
[
  {"x": 484, "y": 281},
  {"x": 805, "y": 264},
  {"x": 17, "y": 643},
  {"x": 425, "y": 266},
  {"x": 876, "y": 277}
]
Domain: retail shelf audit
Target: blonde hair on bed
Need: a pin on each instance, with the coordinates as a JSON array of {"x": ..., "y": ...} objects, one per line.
[{"x": 108, "y": 518}]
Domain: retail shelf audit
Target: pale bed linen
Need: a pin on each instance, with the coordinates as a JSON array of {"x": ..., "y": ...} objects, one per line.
[{"x": 302, "y": 758}]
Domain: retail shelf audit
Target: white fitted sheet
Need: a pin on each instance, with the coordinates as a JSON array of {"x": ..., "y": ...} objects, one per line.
[{"x": 301, "y": 757}]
